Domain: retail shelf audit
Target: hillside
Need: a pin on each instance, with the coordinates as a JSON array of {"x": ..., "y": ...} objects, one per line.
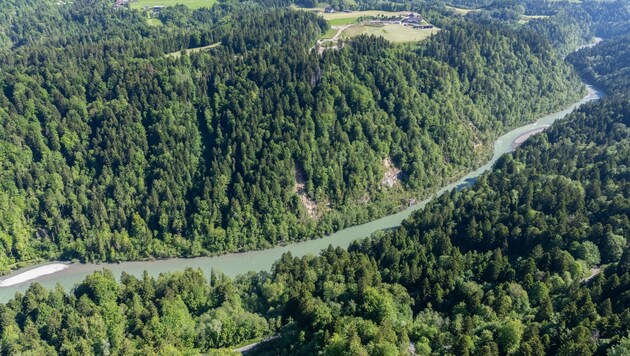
[
  {"x": 112, "y": 150},
  {"x": 533, "y": 259},
  {"x": 607, "y": 64}
]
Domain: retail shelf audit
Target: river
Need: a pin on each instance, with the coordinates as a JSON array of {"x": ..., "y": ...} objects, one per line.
[{"x": 239, "y": 263}]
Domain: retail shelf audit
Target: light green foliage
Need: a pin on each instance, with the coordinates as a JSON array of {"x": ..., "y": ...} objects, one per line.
[
  {"x": 423, "y": 285},
  {"x": 193, "y": 4},
  {"x": 111, "y": 151},
  {"x": 621, "y": 349},
  {"x": 509, "y": 335},
  {"x": 114, "y": 152}
]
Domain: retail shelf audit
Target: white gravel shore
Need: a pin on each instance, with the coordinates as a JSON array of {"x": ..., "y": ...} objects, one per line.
[{"x": 33, "y": 274}]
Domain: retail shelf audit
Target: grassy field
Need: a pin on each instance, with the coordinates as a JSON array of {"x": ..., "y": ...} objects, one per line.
[
  {"x": 154, "y": 22},
  {"x": 342, "y": 21},
  {"x": 394, "y": 33},
  {"x": 346, "y": 18},
  {"x": 193, "y": 4},
  {"x": 351, "y": 17},
  {"x": 460, "y": 11},
  {"x": 525, "y": 19},
  {"x": 330, "y": 33}
]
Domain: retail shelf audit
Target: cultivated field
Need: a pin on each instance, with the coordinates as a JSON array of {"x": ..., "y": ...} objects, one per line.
[
  {"x": 345, "y": 18},
  {"x": 345, "y": 25},
  {"x": 193, "y": 4},
  {"x": 391, "y": 32}
]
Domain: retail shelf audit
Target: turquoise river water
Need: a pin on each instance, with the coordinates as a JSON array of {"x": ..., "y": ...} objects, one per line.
[{"x": 239, "y": 263}]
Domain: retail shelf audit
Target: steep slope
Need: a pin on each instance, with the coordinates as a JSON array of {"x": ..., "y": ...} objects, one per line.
[
  {"x": 112, "y": 151},
  {"x": 533, "y": 259}
]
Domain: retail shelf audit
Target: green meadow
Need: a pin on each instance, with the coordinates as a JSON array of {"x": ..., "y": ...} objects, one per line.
[{"x": 193, "y": 4}]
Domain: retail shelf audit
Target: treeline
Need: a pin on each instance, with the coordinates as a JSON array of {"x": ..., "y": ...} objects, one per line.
[
  {"x": 114, "y": 151},
  {"x": 532, "y": 260},
  {"x": 574, "y": 24},
  {"x": 38, "y": 22},
  {"x": 565, "y": 24},
  {"x": 606, "y": 64},
  {"x": 500, "y": 268}
]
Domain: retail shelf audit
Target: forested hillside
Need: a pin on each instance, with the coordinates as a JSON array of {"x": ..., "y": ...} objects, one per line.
[
  {"x": 532, "y": 260},
  {"x": 607, "y": 64},
  {"x": 113, "y": 150},
  {"x": 566, "y": 24}
]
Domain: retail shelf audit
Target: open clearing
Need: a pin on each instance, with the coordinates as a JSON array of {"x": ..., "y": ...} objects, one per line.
[
  {"x": 344, "y": 25},
  {"x": 193, "y": 4},
  {"x": 461, "y": 11},
  {"x": 193, "y": 50},
  {"x": 330, "y": 33},
  {"x": 346, "y": 18},
  {"x": 526, "y": 18},
  {"x": 154, "y": 22},
  {"x": 391, "y": 32}
]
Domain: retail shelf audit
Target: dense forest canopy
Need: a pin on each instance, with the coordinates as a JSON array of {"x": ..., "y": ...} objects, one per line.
[
  {"x": 532, "y": 260},
  {"x": 115, "y": 145},
  {"x": 607, "y": 64},
  {"x": 567, "y": 24},
  {"x": 113, "y": 150}
]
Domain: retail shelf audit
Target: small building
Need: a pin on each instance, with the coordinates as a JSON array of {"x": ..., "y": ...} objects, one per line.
[
  {"x": 412, "y": 19},
  {"x": 157, "y": 9},
  {"x": 120, "y": 3},
  {"x": 329, "y": 10}
]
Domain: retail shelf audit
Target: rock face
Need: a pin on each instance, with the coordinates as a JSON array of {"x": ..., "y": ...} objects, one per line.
[
  {"x": 392, "y": 174},
  {"x": 299, "y": 189}
]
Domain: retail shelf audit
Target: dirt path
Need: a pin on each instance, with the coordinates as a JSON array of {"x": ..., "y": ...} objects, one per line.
[
  {"x": 339, "y": 29},
  {"x": 245, "y": 349},
  {"x": 192, "y": 50},
  {"x": 334, "y": 39},
  {"x": 594, "y": 272}
]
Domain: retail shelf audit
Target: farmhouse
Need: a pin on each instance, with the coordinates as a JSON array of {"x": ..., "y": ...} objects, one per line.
[
  {"x": 329, "y": 10},
  {"x": 157, "y": 9},
  {"x": 412, "y": 19},
  {"x": 120, "y": 3}
]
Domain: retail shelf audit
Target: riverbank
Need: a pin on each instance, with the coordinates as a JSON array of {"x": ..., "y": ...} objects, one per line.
[
  {"x": 240, "y": 263},
  {"x": 32, "y": 274},
  {"x": 522, "y": 138}
]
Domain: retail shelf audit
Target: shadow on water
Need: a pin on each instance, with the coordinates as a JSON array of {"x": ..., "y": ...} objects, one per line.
[{"x": 466, "y": 183}]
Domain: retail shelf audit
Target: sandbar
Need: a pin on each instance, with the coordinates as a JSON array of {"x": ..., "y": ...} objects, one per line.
[{"x": 33, "y": 274}]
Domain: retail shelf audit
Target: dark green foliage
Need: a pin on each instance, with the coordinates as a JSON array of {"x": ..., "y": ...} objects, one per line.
[
  {"x": 114, "y": 151},
  {"x": 493, "y": 269},
  {"x": 180, "y": 313},
  {"x": 567, "y": 29},
  {"x": 607, "y": 64}
]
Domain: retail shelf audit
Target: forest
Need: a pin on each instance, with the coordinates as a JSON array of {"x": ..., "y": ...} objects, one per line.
[
  {"x": 117, "y": 147},
  {"x": 596, "y": 65},
  {"x": 531, "y": 260}
]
